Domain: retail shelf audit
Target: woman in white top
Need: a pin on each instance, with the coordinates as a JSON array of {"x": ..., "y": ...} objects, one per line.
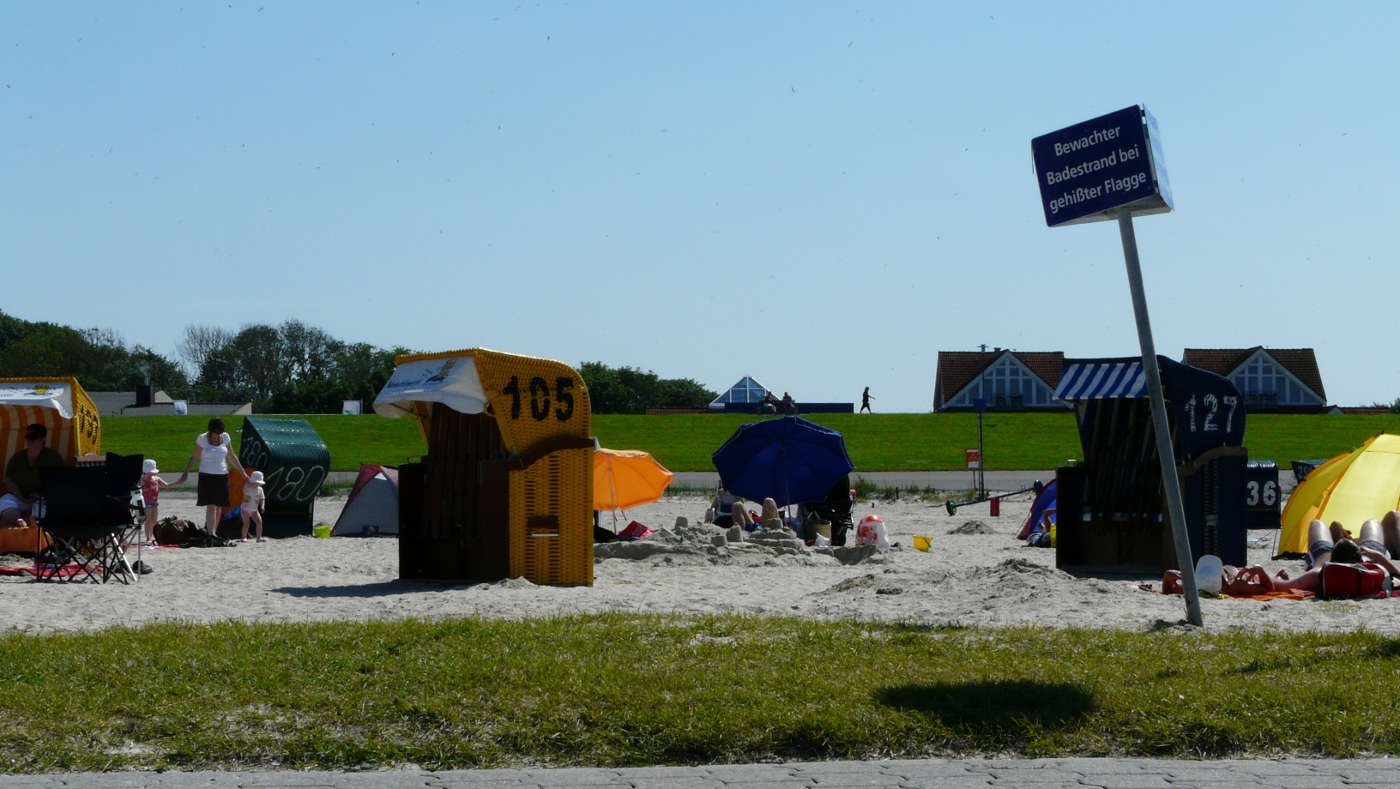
[{"x": 214, "y": 452}]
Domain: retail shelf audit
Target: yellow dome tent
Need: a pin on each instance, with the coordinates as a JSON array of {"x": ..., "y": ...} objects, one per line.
[{"x": 1350, "y": 488}]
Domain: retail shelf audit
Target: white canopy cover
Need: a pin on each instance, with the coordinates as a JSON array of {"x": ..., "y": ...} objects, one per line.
[
  {"x": 57, "y": 396},
  {"x": 453, "y": 382}
]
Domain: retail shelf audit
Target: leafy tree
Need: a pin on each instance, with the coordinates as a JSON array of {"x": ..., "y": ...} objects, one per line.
[
  {"x": 254, "y": 366},
  {"x": 198, "y": 342},
  {"x": 309, "y": 353},
  {"x": 627, "y": 390},
  {"x": 364, "y": 369},
  {"x": 98, "y": 358},
  {"x": 682, "y": 393}
]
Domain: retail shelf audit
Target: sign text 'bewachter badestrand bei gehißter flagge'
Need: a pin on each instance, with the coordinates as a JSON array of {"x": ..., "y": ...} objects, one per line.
[{"x": 1091, "y": 170}]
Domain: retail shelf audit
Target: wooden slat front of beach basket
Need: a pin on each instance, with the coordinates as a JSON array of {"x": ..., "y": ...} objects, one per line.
[
  {"x": 508, "y": 492},
  {"x": 541, "y": 403}
]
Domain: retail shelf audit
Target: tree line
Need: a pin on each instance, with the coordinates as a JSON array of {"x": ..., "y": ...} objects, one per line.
[{"x": 291, "y": 368}]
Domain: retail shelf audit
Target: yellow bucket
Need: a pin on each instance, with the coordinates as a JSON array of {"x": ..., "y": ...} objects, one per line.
[
  {"x": 920, "y": 543},
  {"x": 321, "y": 530}
]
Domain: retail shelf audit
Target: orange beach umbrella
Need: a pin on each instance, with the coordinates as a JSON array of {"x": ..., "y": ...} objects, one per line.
[{"x": 624, "y": 478}]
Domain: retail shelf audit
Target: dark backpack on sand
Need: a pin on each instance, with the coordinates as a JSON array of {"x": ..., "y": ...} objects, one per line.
[{"x": 174, "y": 531}]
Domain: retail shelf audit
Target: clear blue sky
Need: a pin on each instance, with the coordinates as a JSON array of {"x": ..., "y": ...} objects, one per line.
[{"x": 820, "y": 195}]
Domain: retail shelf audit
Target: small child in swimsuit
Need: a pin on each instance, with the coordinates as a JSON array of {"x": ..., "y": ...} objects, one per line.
[
  {"x": 150, "y": 495},
  {"x": 254, "y": 501}
]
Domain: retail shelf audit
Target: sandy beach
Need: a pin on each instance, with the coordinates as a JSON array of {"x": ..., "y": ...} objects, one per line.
[{"x": 977, "y": 574}]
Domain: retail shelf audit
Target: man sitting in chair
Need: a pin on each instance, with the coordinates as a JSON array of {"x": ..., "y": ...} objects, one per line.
[{"x": 22, "y": 476}]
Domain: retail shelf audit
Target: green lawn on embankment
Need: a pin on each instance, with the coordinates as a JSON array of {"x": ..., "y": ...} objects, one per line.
[{"x": 684, "y": 442}]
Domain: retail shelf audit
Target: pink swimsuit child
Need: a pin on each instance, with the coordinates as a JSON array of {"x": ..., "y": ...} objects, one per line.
[{"x": 150, "y": 490}]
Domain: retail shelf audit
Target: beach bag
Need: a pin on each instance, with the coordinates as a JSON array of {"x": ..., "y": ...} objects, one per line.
[
  {"x": 871, "y": 531},
  {"x": 1343, "y": 580},
  {"x": 24, "y": 540},
  {"x": 173, "y": 531},
  {"x": 636, "y": 531}
]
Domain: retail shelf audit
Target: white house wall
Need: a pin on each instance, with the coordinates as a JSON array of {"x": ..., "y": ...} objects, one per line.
[
  {"x": 1006, "y": 377},
  {"x": 1262, "y": 374}
]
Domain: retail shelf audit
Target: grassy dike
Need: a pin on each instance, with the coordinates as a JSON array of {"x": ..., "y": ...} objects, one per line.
[{"x": 684, "y": 442}]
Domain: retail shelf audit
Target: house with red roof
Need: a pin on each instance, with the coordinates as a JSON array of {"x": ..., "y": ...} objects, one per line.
[
  {"x": 1008, "y": 380},
  {"x": 1270, "y": 379}
]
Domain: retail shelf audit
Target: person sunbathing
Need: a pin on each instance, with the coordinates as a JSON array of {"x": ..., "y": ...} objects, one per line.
[
  {"x": 1378, "y": 543},
  {"x": 1240, "y": 581},
  {"x": 726, "y": 509}
]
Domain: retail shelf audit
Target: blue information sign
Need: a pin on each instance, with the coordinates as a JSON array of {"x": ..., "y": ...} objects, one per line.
[{"x": 1090, "y": 171}]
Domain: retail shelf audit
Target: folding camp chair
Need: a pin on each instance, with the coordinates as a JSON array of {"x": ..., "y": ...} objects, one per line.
[
  {"x": 87, "y": 520},
  {"x": 124, "y": 484}
]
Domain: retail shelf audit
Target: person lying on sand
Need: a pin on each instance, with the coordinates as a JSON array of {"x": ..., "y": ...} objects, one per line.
[
  {"x": 1379, "y": 541},
  {"x": 1250, "y": 580},
  {"x": 1377, "y": 544}
]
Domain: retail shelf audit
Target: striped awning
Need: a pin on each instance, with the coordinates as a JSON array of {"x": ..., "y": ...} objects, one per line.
[{"x": 1097, "y": 380}]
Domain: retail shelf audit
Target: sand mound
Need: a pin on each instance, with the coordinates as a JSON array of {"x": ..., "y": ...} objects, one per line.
[{"x": 973, "y": 527}]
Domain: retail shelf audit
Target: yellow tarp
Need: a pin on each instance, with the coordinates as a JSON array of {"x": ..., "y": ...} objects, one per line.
[
  {"x": 1350, "y": 489},
  {"x": 624, "y": 478}
]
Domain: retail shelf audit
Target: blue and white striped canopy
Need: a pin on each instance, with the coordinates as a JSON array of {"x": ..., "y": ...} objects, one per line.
[{"x": 1101, "y": 379}]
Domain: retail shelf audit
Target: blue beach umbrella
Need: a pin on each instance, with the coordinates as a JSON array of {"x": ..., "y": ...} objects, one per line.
[{"x": 790, "y": 460}]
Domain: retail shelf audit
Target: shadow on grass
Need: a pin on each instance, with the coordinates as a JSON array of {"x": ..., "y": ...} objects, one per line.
[
  {"x": 1389, "y": 648},
  {"x": 977, "y": 703}
]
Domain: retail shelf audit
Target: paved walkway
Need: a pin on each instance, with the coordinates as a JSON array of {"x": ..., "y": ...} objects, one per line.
[{"x": 955, "y": 774}]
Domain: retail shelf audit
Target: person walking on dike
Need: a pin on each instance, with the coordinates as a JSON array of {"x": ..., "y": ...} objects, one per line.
[
  {"x": 865, "y": 398},
  {"x": 254, "y": 502},
  {"x": 22, "y": 476},
  {"x": 213, "y": 451},
  {"x": 151, "y": 483}
]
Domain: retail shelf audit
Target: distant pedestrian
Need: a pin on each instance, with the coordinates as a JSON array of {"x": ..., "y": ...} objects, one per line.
[{"x": 865, "y": 398}]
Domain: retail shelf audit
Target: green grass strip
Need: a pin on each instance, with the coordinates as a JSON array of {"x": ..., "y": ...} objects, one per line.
[
  {"x": 685, "y": 442},
  {"x": 631, "y": 690}
]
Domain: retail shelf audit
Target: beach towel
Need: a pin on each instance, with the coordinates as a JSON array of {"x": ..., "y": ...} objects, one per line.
[
  {"x": 1281, "y": 594},
  {"x": 64, "y": 571}
]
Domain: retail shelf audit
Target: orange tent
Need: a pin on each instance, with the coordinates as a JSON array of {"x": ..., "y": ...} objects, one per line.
[{"x": 624, "y": 478}]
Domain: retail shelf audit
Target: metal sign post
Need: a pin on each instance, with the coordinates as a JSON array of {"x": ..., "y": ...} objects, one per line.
[
  {"x": 1110, "y": 167},
  {"x": 981, "y": 403},
  {"x": 1176, "y": 510}
]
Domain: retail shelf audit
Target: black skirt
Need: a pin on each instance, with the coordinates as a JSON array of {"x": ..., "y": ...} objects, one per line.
[{"x": 213, "y": 490}]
